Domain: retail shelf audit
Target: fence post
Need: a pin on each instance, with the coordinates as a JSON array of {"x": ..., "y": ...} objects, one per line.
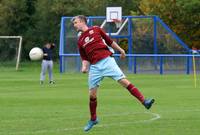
[
  {"x": 62, "y": 42},
  {"x": 135, "y": 65},
  {"x": 130, "y": 44},
  {"x": 161, "y": 65},
  {"x": 188, "y": 65},
  {"x": 155, "y": 40}
]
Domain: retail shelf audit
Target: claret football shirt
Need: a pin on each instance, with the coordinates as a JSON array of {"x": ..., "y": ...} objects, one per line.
[{"x": 93, "y": 43}]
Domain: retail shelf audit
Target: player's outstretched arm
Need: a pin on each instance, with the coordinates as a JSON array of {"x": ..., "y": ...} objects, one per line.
[
  {"x": 85, "y": 66},
  {"x": 115, "y": 46}
]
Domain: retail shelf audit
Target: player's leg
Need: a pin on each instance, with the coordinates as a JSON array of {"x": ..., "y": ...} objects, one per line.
[
  {"x": 93, "y": 103},
  {"x": 43, "y": 71},
  {"x": 50, "y": 70},
  {"x": 135, "y": 92},
  {"x": 115, "y": 72},
  {"x": 132, "y": 89},
  {"x": 93, "y": 106},
  {"x": 94, "y": 80}
]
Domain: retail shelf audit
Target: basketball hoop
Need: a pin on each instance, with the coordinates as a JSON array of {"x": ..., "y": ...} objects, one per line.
[{"x": 117, "y": 22}]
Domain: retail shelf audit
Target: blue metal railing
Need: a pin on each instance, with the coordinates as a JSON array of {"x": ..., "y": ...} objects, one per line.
[{"x": 159, "y": 57}]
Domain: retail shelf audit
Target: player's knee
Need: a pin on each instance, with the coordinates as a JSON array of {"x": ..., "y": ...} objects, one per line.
[
  {"x": 93, "y": 92},
  {"x": 43, "y": 73},
  {"x": 124, "y": 82},
  {"x": 93, "y": 95}
]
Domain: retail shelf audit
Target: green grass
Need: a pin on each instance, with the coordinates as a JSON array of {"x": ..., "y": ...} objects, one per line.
[{"x": 27, "y": 108}]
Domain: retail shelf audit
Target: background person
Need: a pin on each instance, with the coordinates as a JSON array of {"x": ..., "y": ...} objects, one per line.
[{"x": 47, "y": 63}]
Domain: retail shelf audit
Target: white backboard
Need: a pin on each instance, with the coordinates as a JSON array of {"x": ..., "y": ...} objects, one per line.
[{"x": 113, "y": 13}]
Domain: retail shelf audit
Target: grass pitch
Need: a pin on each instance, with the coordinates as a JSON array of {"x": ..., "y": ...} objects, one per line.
[{"x": 28, "y": 108}]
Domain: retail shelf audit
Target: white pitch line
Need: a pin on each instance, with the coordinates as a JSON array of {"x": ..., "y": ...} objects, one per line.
[{"x": 155, "y": 117}]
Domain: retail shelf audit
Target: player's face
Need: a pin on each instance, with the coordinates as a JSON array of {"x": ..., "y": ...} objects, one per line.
[
  {"x": 78, "y": 24},
  {"x": 48, "y": 46}
]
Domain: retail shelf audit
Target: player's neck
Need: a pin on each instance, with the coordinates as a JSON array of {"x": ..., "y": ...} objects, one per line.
[{"x": 85, "y": 28}]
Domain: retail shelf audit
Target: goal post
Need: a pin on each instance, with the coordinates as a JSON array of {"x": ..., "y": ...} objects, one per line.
[{"x": 19, "y": 48}]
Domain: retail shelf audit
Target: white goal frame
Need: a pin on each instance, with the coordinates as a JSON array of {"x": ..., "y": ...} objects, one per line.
[{"x": 19, "y": 48}]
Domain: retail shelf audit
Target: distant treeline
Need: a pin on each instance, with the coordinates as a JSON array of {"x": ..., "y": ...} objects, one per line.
[{"x": 38, "y": 21}]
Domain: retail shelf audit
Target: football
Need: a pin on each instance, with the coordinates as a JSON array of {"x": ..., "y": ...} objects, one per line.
[{"x": 36, "y": 53}]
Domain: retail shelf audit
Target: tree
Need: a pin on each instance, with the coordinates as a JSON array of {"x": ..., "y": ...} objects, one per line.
[
  {"x": 38, "y": 21},
  {"x": 16, "y": 18},
  {"x": 13, "y": 17},
  {"x": 182, "y": 16}
]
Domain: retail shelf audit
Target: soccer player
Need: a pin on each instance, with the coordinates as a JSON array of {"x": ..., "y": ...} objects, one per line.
[
  {"x": 47, "y": 63},
  {"x": 97, "y": 59}
]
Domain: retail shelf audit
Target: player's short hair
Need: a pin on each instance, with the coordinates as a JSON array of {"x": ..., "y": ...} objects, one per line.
[
  {"x": 80, "y": 17},
  {"x": 49, "y": 43}
]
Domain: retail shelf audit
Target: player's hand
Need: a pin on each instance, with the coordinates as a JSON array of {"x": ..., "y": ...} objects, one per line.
[
  {"x": 45, "y": 54},
  {"x": 85, "y": 66},
  {"x": 123, "y": 54},
  {"x": 84, "y": 70}
]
